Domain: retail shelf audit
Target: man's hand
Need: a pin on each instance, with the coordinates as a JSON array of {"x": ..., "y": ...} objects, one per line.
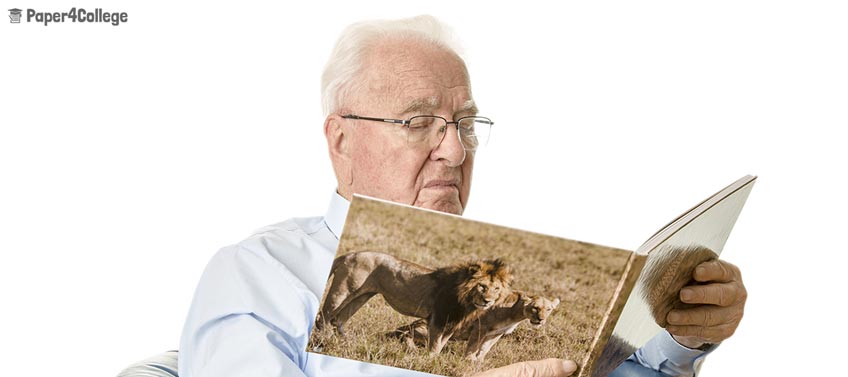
[
  {"x": 721, "y": 302},
  {"x": 538, "y": 368}
]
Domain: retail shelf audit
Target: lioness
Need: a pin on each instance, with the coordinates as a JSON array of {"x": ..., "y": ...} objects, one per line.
[
  {"x": 446, "y": 297},
  {"x": 490, "y": 326}
]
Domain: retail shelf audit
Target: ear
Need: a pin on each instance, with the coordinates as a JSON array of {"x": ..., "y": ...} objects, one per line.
[
  {"x": 556, "y": 302},
  {"x": 338, "y": 145}
]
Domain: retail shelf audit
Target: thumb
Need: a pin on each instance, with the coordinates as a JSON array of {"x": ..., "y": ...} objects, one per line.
[
  {"x": 550, "y": 368},
  {"x": 536, "y": 368}
]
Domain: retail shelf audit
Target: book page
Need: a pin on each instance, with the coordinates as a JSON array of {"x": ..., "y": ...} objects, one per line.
[{"x": 393, "y": 262}]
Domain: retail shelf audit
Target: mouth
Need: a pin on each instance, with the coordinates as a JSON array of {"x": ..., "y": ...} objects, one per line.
[
  {"x": 483, "y": 306},
  {"x": 536, "y": 323},
  {"x": 443, "y": 184}
]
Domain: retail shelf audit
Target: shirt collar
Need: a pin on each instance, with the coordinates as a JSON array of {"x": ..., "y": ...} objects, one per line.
[{"x": 336, "y": 214}]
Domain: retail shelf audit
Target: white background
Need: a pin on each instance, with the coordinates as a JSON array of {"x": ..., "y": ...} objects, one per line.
[{"x": 130, "y": 154}]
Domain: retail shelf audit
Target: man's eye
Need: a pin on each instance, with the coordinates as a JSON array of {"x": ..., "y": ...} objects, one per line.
[
  {"x": 421, "y": 123},
  {"x": 419, "y": 126}
]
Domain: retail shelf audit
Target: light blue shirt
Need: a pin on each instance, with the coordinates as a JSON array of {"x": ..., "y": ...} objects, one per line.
[{"x": 256, "y": 302}]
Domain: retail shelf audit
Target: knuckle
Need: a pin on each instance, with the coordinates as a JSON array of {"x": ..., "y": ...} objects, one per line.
[
  {"x": 726, "y": 269},
  {"x": 722, "y": 296},
  {"x": 736, "y": 271},
  {"x": 699, "y": 294},
  {"x": 682, "y": 330},
  {"x": 730, "y": 331},
  {"x": 702, "y": 295},
  {"x": 743, "y": 294},
  {"x": 710, "y": 268},
  {"x": 736, "y": 317},
  {"x": 730, "y": 295},
  {"x": 708, "y": 317},
  {"x": 721, "y": 334}
]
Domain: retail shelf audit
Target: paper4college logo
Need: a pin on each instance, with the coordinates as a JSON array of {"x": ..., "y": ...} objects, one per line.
[
  {"x": 15, "y": 15},
  {"x": 74, "y": 15}
]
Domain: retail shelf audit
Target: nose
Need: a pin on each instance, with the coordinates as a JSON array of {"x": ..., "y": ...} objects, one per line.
[{"x": 450, "y": 147}]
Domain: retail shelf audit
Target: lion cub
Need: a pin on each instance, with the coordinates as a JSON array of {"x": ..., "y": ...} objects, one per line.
[{"x": 494, "y": 323}]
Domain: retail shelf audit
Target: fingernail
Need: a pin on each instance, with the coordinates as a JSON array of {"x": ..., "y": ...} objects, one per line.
[
  {"x": 569, "y": 366},
  {"x": 674, "y": 317},
  {"x": 700, "y": 270},
  {"x": 686, "y": 294}
]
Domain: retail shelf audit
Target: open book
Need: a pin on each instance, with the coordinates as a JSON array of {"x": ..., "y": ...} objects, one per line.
[{"x": 418, "y": 289}]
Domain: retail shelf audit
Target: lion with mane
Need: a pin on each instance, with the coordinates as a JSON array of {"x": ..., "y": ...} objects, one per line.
[{"x": 446, "y": 297}]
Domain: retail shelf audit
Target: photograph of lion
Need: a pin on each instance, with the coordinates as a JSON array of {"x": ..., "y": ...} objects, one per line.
[
  {"x": 442, "y": 294},
  {"x": 447, "y": 297}
]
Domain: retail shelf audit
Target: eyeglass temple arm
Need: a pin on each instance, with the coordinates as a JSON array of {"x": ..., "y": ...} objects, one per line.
[{"x": 395, "y": 121}]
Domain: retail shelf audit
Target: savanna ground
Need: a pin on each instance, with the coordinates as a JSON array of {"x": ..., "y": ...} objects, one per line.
[{"x": 582, "y": 275}]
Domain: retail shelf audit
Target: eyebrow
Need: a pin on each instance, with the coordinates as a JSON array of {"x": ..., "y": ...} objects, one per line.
[
  {"x": 420, "y": 105},
  {"x": 427, "y": 104},
  {"x": 469, "y": 108}
]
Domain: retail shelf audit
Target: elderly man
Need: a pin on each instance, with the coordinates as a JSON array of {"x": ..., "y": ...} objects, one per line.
[{"x": 401, "y": 125}]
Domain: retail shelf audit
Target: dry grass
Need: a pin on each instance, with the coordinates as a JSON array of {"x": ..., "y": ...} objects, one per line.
[{"x": 582, "y": 275}]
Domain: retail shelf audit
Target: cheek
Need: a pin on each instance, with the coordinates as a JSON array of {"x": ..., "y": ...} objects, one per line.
[
  {"x": 467, "y": 169},
  {"x": 386, "y": 171},
  {"x": 366, "y": 165},
  {"x": 465, "y": 187}
]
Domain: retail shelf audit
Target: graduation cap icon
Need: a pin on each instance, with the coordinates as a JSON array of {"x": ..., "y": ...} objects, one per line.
[{"x": 15, "y": 15}]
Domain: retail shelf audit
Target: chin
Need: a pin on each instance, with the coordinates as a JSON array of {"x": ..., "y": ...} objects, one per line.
[{"x": 446, "y": 206}]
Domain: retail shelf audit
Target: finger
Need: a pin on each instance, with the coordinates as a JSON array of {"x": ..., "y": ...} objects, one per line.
[
  {"x": 707, "y": 334},
  {"x": 537, "y": 368},
  {"x": 709, "y": 315},
  {"x": 717, "y": 271},
  {"x": 721, "y": 294},
  {"x": 561, "y": 367},
  {"x": 549, "y": 368}
]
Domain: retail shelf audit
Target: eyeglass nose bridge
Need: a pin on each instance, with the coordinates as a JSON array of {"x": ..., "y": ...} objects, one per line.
[{"x": 443, "y": 130}]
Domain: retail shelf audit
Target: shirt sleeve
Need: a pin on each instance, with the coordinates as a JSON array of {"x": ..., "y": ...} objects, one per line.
[
  {"x": 249, "y": 317},
  {"x": 662, "y": 356},
  {"x": 241, "y": 345}
]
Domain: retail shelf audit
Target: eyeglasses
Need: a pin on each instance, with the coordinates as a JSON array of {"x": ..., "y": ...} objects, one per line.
[{"x": 429, "y": 130}]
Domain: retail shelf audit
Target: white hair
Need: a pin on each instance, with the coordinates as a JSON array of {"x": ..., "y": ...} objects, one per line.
[{"x": 345, "y": 63}]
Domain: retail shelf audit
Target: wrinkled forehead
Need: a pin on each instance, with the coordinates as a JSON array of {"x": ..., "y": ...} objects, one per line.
[
  {"x": 413, "y": 105},
  {"x": 415, "y": 77}
]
